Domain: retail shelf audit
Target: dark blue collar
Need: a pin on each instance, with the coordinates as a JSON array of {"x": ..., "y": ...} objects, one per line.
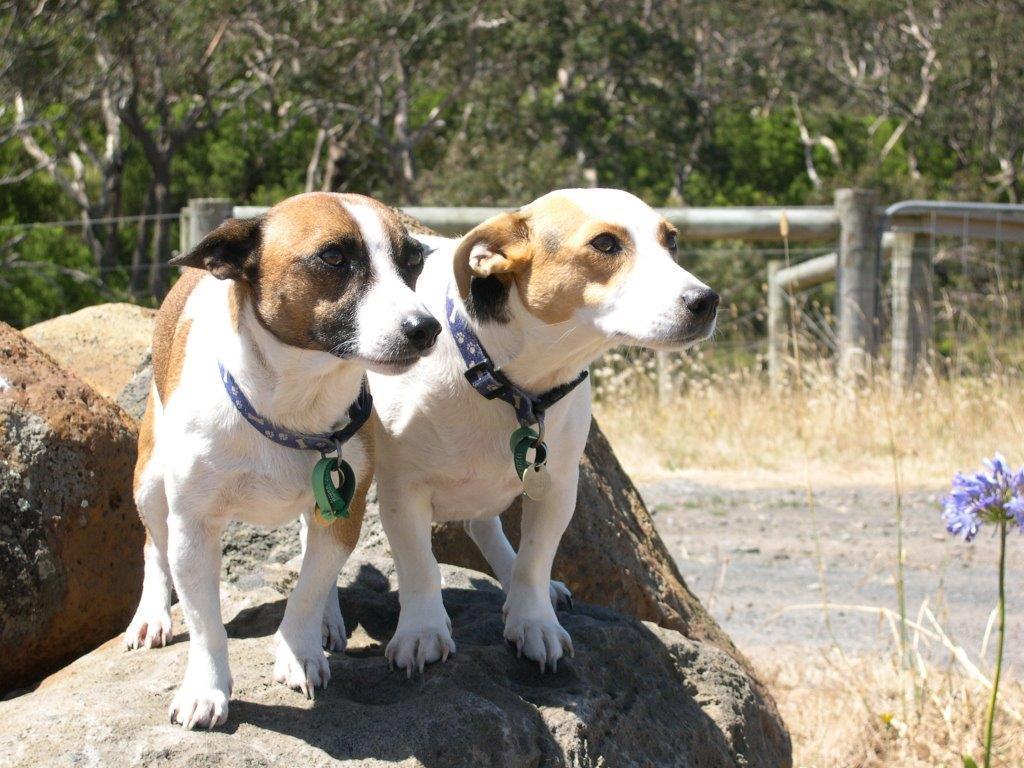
[
  {"x": 490, "y": 382},
  {"x": 358, "y": 413}
]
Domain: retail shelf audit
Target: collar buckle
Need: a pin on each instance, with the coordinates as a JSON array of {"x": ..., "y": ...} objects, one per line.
[{"x": 485, "y": 379}]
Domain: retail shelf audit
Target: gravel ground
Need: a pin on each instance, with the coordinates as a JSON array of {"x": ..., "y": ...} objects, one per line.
[{"x": 750, "y": 556}]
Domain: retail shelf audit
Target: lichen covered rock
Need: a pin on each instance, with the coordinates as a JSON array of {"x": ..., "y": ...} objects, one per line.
[{"x": 70, "y": 538}]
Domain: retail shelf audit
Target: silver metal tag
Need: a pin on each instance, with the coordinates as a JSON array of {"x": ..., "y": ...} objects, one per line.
[{"x": 536, "y": 481}]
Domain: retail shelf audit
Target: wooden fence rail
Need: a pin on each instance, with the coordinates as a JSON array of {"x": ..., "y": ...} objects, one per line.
[{"x": 860, "y": 229}]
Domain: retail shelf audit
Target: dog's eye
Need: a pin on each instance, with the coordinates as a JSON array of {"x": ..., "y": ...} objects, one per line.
[
  {"x": 332, "y": 255},
  {"x": 413, "y": 253},
  {"x": 606, "y": 243},
  {"x": 671, "y": 241}
]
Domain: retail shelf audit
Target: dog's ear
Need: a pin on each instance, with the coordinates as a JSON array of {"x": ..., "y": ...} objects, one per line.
[
  {"x": 498, "y": 247},
  {"x": 228, "y": 251}
]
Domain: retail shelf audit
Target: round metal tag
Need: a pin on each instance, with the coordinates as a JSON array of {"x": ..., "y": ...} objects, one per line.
[{"x": 536, "y": 481}]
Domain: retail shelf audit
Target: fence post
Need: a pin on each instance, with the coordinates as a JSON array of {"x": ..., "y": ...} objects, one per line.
[
  {"x": 858, "y": 279},
  {"x": 663, "y": 374},
  {"x": 205, "y": 215},
  {"x": 911, "y": 305},
  {"x": 778, "y": 327}
]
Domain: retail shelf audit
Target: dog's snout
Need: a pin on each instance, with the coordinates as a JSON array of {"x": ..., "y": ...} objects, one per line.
[
  {"x": 421, "y": 330},
  {"x": 702, "y": 303}
]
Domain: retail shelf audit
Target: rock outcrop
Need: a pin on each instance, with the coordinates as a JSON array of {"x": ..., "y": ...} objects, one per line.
[
  {"x": 611, "y": 554},
  {"x": 635, "y": 695},
  {"x": 70, "y": 538},
  {"x": 103, "y": 344}
]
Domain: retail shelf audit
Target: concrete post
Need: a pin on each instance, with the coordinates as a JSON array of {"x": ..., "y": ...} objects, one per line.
[
  {"x": 911, "y": 305},
  {"x": 205, "y": 215},
  {"x": 778, "y": 324},
  {"x": 858, "y": 280}
]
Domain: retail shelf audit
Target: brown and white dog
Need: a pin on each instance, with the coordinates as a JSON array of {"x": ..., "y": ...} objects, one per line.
[
  {"x": 545, "y": 289},
  {"x": 296, "y": 305}
]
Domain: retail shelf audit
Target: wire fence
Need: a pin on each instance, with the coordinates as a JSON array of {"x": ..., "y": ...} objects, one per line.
[
  {"x": 88, "y": 222},
  {"x": 977, "y": 302}
]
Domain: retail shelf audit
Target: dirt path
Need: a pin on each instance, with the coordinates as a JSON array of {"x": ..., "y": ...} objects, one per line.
[{"x": 749, "y": 554}]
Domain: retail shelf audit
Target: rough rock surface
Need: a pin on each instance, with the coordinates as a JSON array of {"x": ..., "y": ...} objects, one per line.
[
  {"x": 635, "y": 695},
  {"x": 611, "y": 554},
  {"x": 70, "y": 538},
  {"x": 133, "y": 397},
  {"x": 103, "y": 344}
]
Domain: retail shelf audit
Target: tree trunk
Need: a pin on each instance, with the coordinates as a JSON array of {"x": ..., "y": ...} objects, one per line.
[
  {"x": 112, "y": 196},
  {"x": 334, "y": 175},
  {"x": 159, "y": 250},
  {"x": 137, "y": 282}
]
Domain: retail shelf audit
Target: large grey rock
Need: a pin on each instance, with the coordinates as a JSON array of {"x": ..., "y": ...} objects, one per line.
[
  {"x": 133, "y": 397},
  {"x": 635, "y": 695},
  {"x": 70, "y": 538}
]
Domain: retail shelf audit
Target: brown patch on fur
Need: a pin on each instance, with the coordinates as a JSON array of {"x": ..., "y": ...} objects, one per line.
[
  {"x": 568, "y": 273},
  {"x": 237, "y": 296},
  {"x": 555, "y": 269},
  {"x": 345, "y": 530},
  {"x": 146, "y": 442},
  {"x": 290, "y": 299},
  {"x": 176, "y": 363},
  {"x": 166, "y": 326},
  {"x": 507, "y": 234},
  {"x": 667, "y": 234}
]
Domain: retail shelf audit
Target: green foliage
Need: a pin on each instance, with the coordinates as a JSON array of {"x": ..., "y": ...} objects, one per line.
[{"x": 490, "y": 104}]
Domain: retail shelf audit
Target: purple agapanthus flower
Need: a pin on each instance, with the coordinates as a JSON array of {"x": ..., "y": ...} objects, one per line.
[{"x": 993, "y": 495}]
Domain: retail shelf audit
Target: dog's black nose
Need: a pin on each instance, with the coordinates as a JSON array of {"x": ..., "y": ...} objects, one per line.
[
  {"x": 421, "y": 331},
  {"x": 702, "y": 303}
]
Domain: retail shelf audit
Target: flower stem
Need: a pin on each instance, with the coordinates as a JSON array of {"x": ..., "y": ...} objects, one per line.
[{"x": 1000, "y": 637}]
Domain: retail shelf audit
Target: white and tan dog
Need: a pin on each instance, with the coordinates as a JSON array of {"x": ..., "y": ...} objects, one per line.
[
  {"x": 295, "y": 306},
  {"x": 545, "y": 289}
]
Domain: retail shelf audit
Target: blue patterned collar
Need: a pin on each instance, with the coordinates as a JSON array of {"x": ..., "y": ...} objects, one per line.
[
  {"x": 489, "y": 380},
  {"x": 358, "y": 413}
]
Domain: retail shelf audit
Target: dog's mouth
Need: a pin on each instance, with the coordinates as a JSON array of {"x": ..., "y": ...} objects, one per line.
[
  {"x": 680, "y": 340},
  {"x": 391, "y": 364}
]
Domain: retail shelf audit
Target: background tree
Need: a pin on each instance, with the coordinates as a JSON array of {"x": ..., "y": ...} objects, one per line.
[{"x": 114, "y": 112}]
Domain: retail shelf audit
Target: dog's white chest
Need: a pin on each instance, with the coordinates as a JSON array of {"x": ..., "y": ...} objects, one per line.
[
  {"x": 271, "y": 498},
  {"x": 475, "y": 484}
]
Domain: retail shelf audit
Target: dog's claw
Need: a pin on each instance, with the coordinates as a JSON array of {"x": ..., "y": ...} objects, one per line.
[
  {"x": 303, "y": 669},
  {"x": 541, "y": 640},
  {"x": 413, "y": 649}
]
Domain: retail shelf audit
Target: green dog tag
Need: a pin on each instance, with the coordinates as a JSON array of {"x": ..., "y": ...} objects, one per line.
[
  {"x": 331, "y": 499},
  {"x": 522, "y": 440}
]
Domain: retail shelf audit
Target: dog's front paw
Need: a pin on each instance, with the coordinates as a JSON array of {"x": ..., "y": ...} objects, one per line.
[
  {"x": 561, "y": 596},
  {"x": 150, "y": 628},
  {"x": 414, "y": 647},
  {"x": 332, "y": 631},
  {"x": 199, "y": 706},
  {"x": 302, "y": 667},
  {"x": 537, "y": 635}
]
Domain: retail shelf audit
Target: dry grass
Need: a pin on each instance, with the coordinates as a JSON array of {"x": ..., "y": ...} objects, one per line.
[
  {"x": 865, "y": 712},
  {"x": 843, "y": 712},
  {"x": 839, "y": 433}
]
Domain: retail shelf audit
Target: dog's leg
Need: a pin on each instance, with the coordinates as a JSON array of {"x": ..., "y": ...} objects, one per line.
[
  {"x": 489, "y": 537},
  {"x": 332, "y": 630},
  {"x": 530, "y": 621},
  {"x": 301, "y": 663},
  {"x": 194, "y": 553},
  {"x": 151, "y": 626},
  {"x": 424, "y": 632}
]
